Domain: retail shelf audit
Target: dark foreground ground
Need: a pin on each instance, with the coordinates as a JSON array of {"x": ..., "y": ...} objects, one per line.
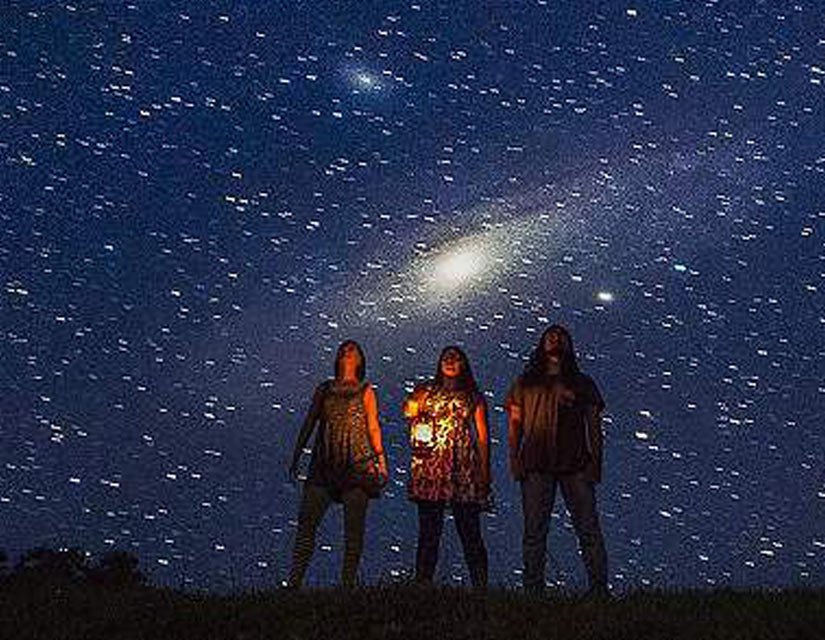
[{"x": 48, "y": 611}]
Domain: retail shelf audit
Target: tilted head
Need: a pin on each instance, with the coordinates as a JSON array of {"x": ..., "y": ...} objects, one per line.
[
  {"x": 555, "y": 343},
  {"x": 454, "y": 366},
  {"x": 351, "y": 354}
]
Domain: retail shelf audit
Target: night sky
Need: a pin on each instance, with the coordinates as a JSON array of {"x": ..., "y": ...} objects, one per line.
[{"x": 199, "y": 201}]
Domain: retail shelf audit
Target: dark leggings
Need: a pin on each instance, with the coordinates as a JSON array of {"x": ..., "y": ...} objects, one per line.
[
  {"x": 314, "y": 504},
  {"x": 467, "y": 517}
]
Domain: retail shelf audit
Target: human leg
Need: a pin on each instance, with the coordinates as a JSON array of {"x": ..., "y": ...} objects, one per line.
[
  {"x": 467, "y": 517},
  {"x": 355, "y": 514},
  {"x": 580, "y": 498},
  {"x": 538, "y": 492},
  {"x": 315, "y": 501},
  {"x": 430, "y": 526}
]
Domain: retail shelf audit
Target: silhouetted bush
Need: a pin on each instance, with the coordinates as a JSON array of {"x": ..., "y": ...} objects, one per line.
[
  {"x": 118, "y": 569},
  {"x": 64, "y": 565}
]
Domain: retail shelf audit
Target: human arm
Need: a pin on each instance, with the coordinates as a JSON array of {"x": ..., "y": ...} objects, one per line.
[
  {"x": 374, "y": 430},
  {"x": 514, "y": 410},
  {"x": 483, "y": 439},
  {"x": 306, "y": 431},
  {"x": 593, "y": 407},
  {"x": 414, "y": 404},
  {"x": 595, "y": 439}
]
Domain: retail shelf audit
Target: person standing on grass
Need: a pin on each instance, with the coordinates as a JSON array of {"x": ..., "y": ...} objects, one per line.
[
  {"x": 450, "y": 463},
  {"x": 348, "y": 464},
  {"x": 555, "y": 440}
]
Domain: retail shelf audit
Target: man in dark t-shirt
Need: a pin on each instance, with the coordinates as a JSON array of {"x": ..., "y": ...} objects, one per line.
[{"x": 555, "y": 439}]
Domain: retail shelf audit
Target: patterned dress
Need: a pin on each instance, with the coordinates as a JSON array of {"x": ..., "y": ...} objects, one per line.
[
  {"x": 342, "y": 449},
  {"x": 445, "y": 463}
]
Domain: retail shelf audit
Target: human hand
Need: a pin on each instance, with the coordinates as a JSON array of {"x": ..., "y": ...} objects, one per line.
[
  {"x": 415, "y": 403},
  {"x": 567, "y": 396},
  {"x": 411, "y": 408},
  {"x": 383, "y": 471}
]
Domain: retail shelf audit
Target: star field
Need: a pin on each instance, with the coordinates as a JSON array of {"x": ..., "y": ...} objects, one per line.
[{"x": 200, "y": 201}]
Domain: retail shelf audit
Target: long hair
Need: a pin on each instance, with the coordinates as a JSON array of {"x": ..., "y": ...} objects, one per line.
[
  {"x": 465, "y": 380},
  {"x": 537, "y": 365},
  {"x": 361, "y": 371}
]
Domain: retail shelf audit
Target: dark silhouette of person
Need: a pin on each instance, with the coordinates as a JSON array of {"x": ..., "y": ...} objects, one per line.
[
  {"x": 450, "y": 463},
  {"x": 348, "y": 464},
  {"x": 555, "y": 440}
]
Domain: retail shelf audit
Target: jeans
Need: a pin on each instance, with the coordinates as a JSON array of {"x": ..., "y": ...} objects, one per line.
[
  {"x": 538, "y": 493},
  {"x": 467, "y": 517},
  {"x": 314, "y": 504}
]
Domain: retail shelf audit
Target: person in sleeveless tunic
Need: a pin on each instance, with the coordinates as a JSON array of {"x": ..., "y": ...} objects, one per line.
[
  {"x": 450, "y": 463},
  {"x": 348, "y": 464},
  {"x": 555, "y": 440}
]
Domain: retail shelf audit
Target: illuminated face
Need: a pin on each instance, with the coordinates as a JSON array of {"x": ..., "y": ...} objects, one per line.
[
  {"x": 349, "y": 357},
  {"x": 554, "y": 343},
  {"x": 452, "y": 364}
]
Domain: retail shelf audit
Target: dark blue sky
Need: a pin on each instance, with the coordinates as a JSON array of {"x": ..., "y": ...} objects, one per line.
[{"x": 199, "y": 201}]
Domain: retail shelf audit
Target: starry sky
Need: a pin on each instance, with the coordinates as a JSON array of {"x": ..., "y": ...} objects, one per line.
[{"x": 200, "y": 200}]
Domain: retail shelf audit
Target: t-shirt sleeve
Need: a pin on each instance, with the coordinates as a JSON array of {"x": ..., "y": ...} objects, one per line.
[
  {"x": 319, "y": 393},
  {"x": 589, "y": 393},
  {"x": 515, "y": 396}
]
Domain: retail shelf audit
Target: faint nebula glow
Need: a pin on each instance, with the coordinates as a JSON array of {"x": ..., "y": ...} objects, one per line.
[
  {"x": 444, "y": 272},
  {"x": 365, "y": 80}
]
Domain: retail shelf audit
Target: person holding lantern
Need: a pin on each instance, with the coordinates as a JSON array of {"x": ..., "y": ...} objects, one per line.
[{"x": 450, "y": 463}]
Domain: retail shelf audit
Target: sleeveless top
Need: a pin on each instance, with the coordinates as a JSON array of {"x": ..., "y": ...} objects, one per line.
[
  {"x": 342, "y": 446},
  {"x": 445, "y": 463}
]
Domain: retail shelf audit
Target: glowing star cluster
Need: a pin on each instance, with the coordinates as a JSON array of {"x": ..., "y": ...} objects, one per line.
[
  {"x": 457, "y": 267},
  {"x": 363, "y": 81}
]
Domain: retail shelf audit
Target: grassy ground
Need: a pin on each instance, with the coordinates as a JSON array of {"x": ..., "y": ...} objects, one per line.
[{"x": 38, "y": 610}]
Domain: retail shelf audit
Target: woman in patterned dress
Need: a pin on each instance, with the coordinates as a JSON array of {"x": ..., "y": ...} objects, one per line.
[
  {"x": 348, "y": 463},
  {"x": 450, "y": 464}
]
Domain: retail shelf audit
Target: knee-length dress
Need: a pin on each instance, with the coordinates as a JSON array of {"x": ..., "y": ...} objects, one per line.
[{"x": 445, "y": 462}]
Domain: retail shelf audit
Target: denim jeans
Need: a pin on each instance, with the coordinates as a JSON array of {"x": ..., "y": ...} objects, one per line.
[
  {"x": 314, "y": 504},
  {"x": 467, "y": 518},
  {"x": 538, "y": 493}
]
